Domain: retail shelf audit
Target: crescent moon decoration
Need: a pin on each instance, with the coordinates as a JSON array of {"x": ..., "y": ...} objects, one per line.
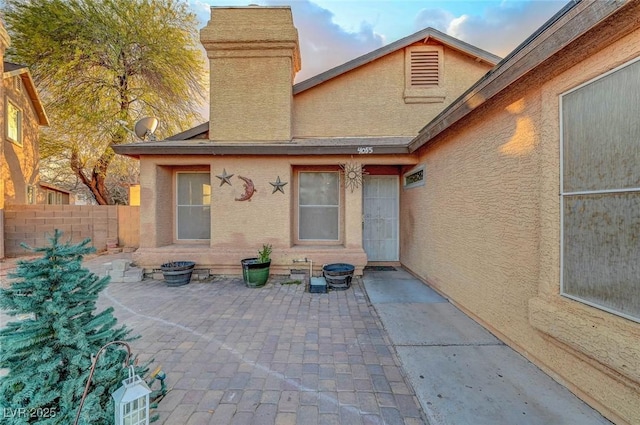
[
  {"x": 249, "y": 189},
  {"x": 352, "y": 175},
  {"x": 278, "y": 185}
]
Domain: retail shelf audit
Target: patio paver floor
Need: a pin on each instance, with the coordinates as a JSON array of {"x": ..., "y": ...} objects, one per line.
[{"x": 271, "y": 355}]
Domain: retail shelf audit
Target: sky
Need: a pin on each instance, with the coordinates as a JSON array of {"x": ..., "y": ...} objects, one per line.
[{"x": 332, "y": 32}]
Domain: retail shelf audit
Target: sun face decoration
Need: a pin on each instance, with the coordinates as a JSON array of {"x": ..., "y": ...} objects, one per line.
[{"x": 352, "y": 175}]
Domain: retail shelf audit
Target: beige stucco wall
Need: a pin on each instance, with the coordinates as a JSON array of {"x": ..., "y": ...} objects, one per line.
[
  {"x": 253, "y": 54},
  {"x": 369, "y": 101},
  {"x": 250, "y": 99},
  {"x": 4, "y": 43},
  {"x": 239, "y": 228},
  {"x": 484, "y": 231}
]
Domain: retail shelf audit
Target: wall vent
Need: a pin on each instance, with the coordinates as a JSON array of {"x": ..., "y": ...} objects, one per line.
[{"x": 425, "y": 68}]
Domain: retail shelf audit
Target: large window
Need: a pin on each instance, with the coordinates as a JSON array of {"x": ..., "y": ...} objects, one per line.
[
  {"x": 193, "y": 205},
  {"x": 319, "y": 206},
  {"x": 14, "y": 123},
  {"x": 600, "y": 192}
]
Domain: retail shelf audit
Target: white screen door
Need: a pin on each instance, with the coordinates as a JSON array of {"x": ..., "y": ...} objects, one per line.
[{"x": 380, "y": 228}]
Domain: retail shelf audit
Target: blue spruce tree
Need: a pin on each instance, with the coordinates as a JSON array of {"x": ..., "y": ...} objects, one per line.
[{"x": 48, "y": 353}]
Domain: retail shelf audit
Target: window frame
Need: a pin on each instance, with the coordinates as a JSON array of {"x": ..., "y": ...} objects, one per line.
[
  {"x": 296, "y": 200},
  {"x": 176, "y": 205},
  {"x": 565, "y": 194},
  {"x": 19, "y": 124},
  {"x": 415, "y": 170},
  {"x": 30, "y": 194}
]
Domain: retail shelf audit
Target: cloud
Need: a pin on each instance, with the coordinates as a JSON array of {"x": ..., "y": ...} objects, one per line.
[
  {"x": 434, "y": 18},
  {"x": 499, "y": 30},
  {"x": 325, "y": 44}
]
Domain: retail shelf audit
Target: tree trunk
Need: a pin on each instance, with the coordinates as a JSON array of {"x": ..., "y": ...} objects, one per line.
[{"x": 96, "y": 183}]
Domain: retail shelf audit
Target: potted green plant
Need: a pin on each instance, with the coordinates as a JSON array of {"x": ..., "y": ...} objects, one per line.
[{"x": 255, "y": 271}]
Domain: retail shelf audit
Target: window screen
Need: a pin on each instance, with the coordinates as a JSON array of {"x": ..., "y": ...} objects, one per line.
[
  {"x": 600, "y": 192},
  {"x": 193, "y": 205},
  {"x": 319, "y": 206}
]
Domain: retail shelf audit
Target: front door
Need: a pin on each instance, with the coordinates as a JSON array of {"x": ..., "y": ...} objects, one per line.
[{"x": 380, "y": 224}]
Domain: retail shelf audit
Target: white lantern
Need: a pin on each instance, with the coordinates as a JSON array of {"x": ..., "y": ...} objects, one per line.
[{"x": 132, "y": 401}]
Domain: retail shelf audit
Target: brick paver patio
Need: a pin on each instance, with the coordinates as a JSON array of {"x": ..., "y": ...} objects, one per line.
[{"x": 271, "y": 355}]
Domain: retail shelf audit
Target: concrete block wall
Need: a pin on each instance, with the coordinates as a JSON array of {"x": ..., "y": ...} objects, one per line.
[
  {"x": 1, "y": 232},
  {"x": 35, "y": 224},
  {"x": 128, "y": 226}
]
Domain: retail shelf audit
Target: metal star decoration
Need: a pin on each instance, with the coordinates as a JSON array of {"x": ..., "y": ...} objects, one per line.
[
  {"x": 225, "y": 178},
  {"x": 278, "y": 185}
]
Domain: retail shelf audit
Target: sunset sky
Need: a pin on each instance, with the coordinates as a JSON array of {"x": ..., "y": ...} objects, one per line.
[{"x": 334, "y": 31}]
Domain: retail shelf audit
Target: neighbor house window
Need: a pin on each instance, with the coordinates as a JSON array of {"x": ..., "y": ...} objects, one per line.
[
  {"x": 600, "y": 192},
  {"x": 424, "y": 74},
  {"x": 193, "y": 205},
  {"x": 319, "y": 206},
  {"x": 14, "y": 123}
]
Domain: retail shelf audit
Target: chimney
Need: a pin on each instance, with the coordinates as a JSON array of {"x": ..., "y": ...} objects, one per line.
[{"x": 253, "y": 56}]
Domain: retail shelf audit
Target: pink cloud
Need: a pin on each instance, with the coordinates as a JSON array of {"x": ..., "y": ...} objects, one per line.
[
  {"x": 499, "y": 30},
  {"x": 323, "y": 43}
]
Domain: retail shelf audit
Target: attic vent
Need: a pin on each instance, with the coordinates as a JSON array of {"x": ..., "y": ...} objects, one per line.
[{"x": 425, "y": 68}]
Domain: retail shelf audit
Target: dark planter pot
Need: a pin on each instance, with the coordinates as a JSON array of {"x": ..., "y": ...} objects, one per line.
[
  {"x": 255, "y": 273},
  {"x": 177, "y": 273},
  {"x": 338, "y": 275}
]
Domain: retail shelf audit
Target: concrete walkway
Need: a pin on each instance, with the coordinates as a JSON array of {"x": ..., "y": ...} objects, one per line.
[{"x": 461, "y": 373}]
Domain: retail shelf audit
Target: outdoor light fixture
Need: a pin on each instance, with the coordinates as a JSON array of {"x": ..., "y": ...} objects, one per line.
[{"x": 132, "y": 401}]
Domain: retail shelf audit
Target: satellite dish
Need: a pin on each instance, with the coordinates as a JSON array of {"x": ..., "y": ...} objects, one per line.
[{"x": 145, "y": 127}]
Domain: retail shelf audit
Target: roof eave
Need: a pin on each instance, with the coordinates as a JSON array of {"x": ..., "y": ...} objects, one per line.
[
  {"x": 27, "y": 81},
  {"x": 191, "y": 133},
  {"x": 136, "y": 150},
  {"x": 573, "y": 21},
  {"x": 425, "y": 34}
]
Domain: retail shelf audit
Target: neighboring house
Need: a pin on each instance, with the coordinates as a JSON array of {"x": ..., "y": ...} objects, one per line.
[
  {"x": 22, "y": 115},
  {"x": 53, "y": 195},
  {"x": 518, "y": 200}
]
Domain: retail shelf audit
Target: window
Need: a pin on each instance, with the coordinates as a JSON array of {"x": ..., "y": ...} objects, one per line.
[
  {"x": 17, "y": 84},
  {"x": 193, "y": 205},
  {"x": 600, "y": 192},
  {"x": 424, "y": 74},
  {"x": 31, "y": 195},
  {"x": 14, "y": 123},
  {"x": 319, "y": 206},
  {"x": 54, "y": 198},
  {"x": 414, "y": 177}
]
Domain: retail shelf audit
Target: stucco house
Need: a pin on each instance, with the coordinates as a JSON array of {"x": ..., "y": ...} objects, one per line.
[
  {"x": 22, "y": 115},
  {"x": 267, "y": 167},
  {"x": 517, "y": 199}
]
